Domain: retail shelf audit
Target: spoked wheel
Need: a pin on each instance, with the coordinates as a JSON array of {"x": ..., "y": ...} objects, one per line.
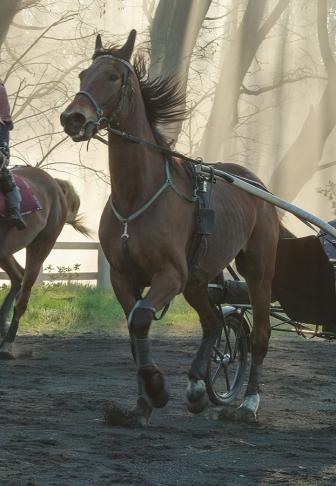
[{"x": 226, "y": 367}]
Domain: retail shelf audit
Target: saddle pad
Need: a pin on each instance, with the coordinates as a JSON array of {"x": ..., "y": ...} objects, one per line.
[{"x": 29, "y": 203}]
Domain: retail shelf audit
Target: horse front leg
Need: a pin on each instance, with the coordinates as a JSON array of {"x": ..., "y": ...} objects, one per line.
[
  {"x": 152, "y": 388},
  {"x": 198, "y": 298},
  {"x": 151, "y": 381},
  {"x": 141, "y": 413}
]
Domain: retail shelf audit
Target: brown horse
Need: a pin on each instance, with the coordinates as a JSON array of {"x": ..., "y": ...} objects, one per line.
[
  {"x": 60, "y": 203},
  {"x": 147, "y": 226}
]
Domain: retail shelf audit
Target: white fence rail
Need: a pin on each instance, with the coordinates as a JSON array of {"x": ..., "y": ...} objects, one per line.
[{"x": 102, "y": 276}]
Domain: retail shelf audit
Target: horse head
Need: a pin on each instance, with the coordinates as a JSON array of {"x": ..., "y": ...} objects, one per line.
[{"x": 104, "y": 91}]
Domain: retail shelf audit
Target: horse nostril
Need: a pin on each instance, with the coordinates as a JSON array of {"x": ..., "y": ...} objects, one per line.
[
  {"x": 72, "y": 122},
  {"x": 77, "y": 119}
]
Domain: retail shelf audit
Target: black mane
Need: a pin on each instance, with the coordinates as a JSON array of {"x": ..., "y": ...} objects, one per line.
[{"x": 163, "y": 97}]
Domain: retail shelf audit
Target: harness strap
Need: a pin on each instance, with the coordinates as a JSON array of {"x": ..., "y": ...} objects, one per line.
[
  {"x": 167, "y": 183},
  {"x": 98, "y": 109}
]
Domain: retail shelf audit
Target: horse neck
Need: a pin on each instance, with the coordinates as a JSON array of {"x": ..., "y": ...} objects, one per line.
[{"x": 136, "y": 172}]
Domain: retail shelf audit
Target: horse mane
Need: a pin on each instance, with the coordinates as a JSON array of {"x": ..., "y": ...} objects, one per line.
[{"x": 163, "y": 96}]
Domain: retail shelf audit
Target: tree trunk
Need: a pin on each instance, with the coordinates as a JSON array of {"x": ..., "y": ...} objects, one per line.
[
  {"x": 237, "y": 61},
  {"x": 8, "y": 9},
  {"x": 173, "y": 33},
  {"x": 303, "y": 157}
]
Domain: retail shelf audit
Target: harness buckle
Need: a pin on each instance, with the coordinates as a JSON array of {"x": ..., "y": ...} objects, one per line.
[{"x": 125, "y": 235}]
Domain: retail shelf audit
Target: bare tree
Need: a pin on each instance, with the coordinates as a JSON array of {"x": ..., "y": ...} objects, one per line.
[
  {"x": 41, "y": 88},
  {"x": 8, "y": 10},
  {"x": 302, "y": 158},
  {"x": 252, "y": 31},
  {"x": 174, "y": 30}
]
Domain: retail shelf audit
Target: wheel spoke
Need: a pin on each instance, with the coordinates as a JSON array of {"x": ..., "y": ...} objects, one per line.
[
  {"x": 228, "y": 362},
  {"x": 228, "y": 385},
  {"x": 216, "y": 374},
  {"x": 236, "y": 349}
]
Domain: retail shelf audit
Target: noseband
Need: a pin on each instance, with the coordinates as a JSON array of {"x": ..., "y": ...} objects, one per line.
[{"x": 114, "y": 120}]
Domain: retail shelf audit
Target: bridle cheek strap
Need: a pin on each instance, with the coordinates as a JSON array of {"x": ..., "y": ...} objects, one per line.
[{"x": 115, "y": 118}]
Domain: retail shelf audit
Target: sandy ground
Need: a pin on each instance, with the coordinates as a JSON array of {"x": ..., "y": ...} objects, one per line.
[{"x": 52, "y": 430}]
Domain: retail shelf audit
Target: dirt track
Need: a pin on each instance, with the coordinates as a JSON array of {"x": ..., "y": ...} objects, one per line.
[{"x": 52, "y": 431}]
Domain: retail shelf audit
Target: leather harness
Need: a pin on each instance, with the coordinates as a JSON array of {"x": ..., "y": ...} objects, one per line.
[{"x": 200, "y": 194}]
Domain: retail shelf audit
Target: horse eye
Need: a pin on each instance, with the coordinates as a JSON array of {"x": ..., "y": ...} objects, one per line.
[{"x": 113, "y": 77}]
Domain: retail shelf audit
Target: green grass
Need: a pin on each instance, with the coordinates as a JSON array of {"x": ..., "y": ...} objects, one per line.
[{"x": 65, "y": 309}]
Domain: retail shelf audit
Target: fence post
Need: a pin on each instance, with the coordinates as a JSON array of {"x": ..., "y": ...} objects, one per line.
[{"x": 103, "y": 279}]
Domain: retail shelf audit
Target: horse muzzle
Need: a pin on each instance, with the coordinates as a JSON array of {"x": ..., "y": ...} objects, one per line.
[{"x": 77, "y": 126}]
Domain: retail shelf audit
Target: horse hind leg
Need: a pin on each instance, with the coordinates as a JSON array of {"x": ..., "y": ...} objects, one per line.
[
  {"x": 35, "y": 256},
  {"x": 15, "y": 273},
  {"x": 198, "y": 298},
  {"x": 259, "y": 274}
]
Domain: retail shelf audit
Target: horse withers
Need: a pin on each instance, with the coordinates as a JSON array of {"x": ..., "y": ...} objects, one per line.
[
  {"x": 58, "y": 203},
  {"x": 148, "y": 225}
]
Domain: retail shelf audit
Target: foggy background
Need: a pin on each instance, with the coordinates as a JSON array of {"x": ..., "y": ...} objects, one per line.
[{"x": 260, "y": 78}]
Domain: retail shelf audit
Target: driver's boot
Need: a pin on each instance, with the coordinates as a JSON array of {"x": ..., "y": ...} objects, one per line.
[{"x": 13, "y": 200}]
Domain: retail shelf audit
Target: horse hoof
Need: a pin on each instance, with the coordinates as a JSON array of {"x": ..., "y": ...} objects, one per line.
[
  {"x": 7, "y": 351},
  {"x": 161, "y": 400},
  {"x": 241, "y": 414},
  {"x": 197, "y": 398},
  {"x": 244, "y": 414},
  {"x": 199, "y": 405},
  {"x": 155, "y": 385},
  {"x": 116, "y": 416}
]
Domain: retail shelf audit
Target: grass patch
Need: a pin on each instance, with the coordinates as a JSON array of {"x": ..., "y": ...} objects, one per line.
[{"x": 65, "y": 309}]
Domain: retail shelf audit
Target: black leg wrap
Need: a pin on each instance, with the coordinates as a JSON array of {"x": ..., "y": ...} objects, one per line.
[
  {"x": 133, "y": 322},
  {"x": 142, "y": 349}
]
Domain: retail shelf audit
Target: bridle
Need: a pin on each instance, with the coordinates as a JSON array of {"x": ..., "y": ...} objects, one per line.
[
  {"x": 113, "y": 123},
  {"x": 114, "y": 120}
]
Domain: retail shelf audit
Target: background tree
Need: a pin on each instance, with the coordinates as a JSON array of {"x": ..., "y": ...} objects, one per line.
[{"x": 302, "y": 159}]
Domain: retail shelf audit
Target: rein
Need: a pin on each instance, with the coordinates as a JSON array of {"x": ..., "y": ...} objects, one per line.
[
  {"x": 247, "y": 185},
  {"x": 115, "y": 120},
  {"x": 203, "y": 172}
]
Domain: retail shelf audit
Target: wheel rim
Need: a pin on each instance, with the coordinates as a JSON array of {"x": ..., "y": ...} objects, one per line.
[{"x": 226, "y": 364}]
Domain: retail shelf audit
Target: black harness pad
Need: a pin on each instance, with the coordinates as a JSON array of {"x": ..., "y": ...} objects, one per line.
[{"x": 206, "y": 221}]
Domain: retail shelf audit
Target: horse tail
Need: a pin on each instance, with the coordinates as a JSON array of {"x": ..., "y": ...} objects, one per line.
[{"x": 73, "y": 203}]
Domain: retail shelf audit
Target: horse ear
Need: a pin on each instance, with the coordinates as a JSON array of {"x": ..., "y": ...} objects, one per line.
[
  {"x": 126, "y": 51},
  {"x": 99, "y": 44}
]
